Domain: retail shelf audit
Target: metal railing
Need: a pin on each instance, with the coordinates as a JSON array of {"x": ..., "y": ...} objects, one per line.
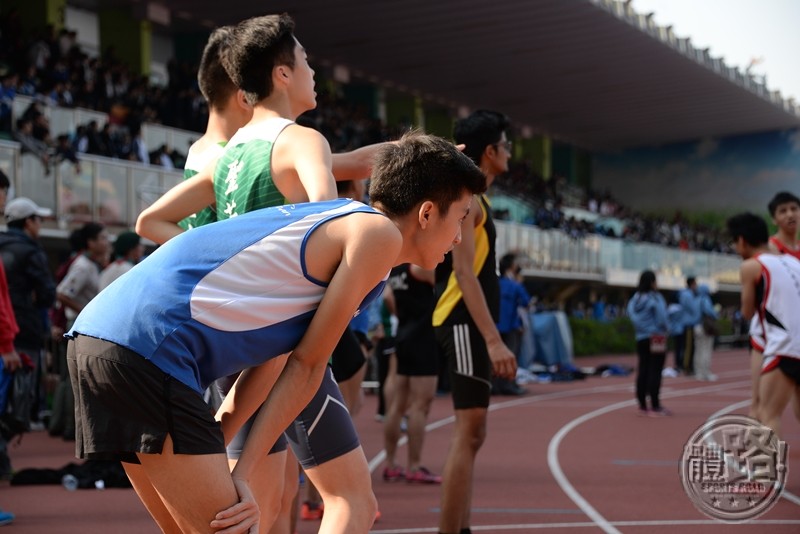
[
  {"x": 114, "y": 192},
  {"x": 101, "y": 189},
  {"x": 554, "y": 250}
]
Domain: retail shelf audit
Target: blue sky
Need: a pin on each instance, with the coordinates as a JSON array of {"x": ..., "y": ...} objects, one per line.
[{"x": 740, "y": 30}]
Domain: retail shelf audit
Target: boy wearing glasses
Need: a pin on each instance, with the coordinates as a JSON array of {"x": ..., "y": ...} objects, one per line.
[{"x": 468, "y": 294}]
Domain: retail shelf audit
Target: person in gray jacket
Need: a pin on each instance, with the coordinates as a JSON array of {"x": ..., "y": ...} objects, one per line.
[
  {"x": 647, "y": 310},
  {"x": 704, "y": 339}
]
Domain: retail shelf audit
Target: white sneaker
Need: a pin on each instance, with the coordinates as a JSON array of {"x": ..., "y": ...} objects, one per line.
[
  {"x": 707, "y": 378},
  {"x": 526, "y": 377},
  {"x": 669, "y": 372}
]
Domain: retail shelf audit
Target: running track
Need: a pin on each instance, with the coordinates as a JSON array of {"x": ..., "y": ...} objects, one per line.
[{"x": 567, "y": 457}]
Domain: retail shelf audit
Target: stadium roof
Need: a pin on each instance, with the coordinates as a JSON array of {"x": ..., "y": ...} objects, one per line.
[{"x": 590, "y": 72}]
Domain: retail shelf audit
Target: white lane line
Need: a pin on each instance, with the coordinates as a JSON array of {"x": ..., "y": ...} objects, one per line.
[
  {"x": 381, "y": 455},
  {"x": 668, "y": 391},
  {"x": 589, "y": 524},
  {"x": 558, "y": 473},
  {"x": 788, "y": 495}
]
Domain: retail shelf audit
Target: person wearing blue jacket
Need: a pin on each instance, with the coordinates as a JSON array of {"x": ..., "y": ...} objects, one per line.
[
  {"x": 704, "y": 341},
  {"x": 647, "y": 310},
  {"x": 689, "y": 300},
  {"x": 675, "y": 319}
]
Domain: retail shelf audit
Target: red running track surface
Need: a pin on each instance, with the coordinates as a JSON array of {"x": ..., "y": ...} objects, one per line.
[{"x": 567, "y": 457}]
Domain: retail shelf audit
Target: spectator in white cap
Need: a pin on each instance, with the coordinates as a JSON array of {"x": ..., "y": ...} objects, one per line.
[{"x": 21, "y": 209}]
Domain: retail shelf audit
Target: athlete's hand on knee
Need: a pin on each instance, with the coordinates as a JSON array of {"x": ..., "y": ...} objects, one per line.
[{"x": 242, "y": 516}]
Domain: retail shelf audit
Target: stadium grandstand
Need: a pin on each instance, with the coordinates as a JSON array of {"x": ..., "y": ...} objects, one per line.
[{"x": 594, "y": 90}]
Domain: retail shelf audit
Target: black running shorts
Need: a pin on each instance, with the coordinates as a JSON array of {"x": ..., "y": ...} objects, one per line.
[
  {"x": 347, "y": 357},
  {"x": 125, "y": 405},
  {"x": 790, "y": 367},
  {"x": 468, "y": 363}
]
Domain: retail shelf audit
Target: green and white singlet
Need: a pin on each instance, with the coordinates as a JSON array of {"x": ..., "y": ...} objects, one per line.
[
  {"x": 243, "y": 175},
  {"x": 196, "y": 160}
]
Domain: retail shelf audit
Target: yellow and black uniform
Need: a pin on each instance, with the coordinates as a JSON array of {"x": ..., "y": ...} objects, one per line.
[{"x": 459, "y": 339}]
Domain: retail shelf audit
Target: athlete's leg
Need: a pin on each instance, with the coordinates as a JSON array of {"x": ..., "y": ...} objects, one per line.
[
  {"x": 352, "y": 391},
  {"x": 396, "y": 408},
  {"x": 386, "y": 364},
  {"x": 775, "y": 391},
  {"x": 267, "y": 487},
  {"x": 796, "y": 403},
  {"x": 470, "y": 375},
  {"x": 312, "y": 503},
  {"x": 656, "y": 365},
  {"x": 346, "y": 490},
  {"x": 422, "y": 391},
  {"x": 325, "y": 442},
  {"x": 150, "y": 498},
  {"x": 193, "y": 487},
  {"x": 468, "y": 437},
  {"x": 642, "y": 371},
  {"x": 688, "y": 350},
  {"x": 702, "y": 354},
  {"x": 390, "y": 381},
  {"x": 283, "y": 521},
  {"x": 756, "y": 359}
]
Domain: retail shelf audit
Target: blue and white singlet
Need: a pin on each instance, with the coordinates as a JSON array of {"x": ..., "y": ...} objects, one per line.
[{"x": 221, "y": 298}]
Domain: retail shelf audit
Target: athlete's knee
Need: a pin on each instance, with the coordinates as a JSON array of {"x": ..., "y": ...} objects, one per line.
[
  {"x": 358, "y": 505},
  {"x": 472, "y": 436},
  {"x": 421, "y": 405},
  {"x": 767, "y": 413}
]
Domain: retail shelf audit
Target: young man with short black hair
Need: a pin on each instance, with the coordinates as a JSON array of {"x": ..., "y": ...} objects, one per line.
[
  {"x": 770, "y": 291},
  {"x": 467, "y": 290}
]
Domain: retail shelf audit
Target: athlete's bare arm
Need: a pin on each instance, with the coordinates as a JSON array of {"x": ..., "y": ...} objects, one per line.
[
  {"x": 504, "y": 362},
  {"x": 238, "y": 406},
  {"x": 159, "y": 221},
  {"x": 356, "y": 164},
  {"x": 749, "y": 273},
  {"x": 346, "y": 256},
  {"x": 307, "y": 181},
  {"x": 301, "y": 165}
]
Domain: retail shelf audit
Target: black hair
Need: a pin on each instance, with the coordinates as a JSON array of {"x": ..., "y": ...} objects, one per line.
[
  {"x": 506, "y": 262},
  {"x": 422, "y": 167},
  {"x": 646, "y": 281},
  {"x": 257, "y": 45},
  {"x": 783, "y": 197},
  {"x": 86, "y": 233},
  {"x": 479, "y": 130},
  {"x": 212, "y": 78},
  {"x": 749, "y": 226}
]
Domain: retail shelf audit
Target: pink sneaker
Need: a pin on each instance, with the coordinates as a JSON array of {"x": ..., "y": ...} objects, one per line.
[
  {"x": 393, "y": 474},
  {"x": 423, "y": 476}
]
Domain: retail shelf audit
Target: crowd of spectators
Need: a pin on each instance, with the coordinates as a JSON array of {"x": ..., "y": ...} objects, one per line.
[
  {"x": 52, "y": 67},
  {"x": 605, "y": 216}
]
